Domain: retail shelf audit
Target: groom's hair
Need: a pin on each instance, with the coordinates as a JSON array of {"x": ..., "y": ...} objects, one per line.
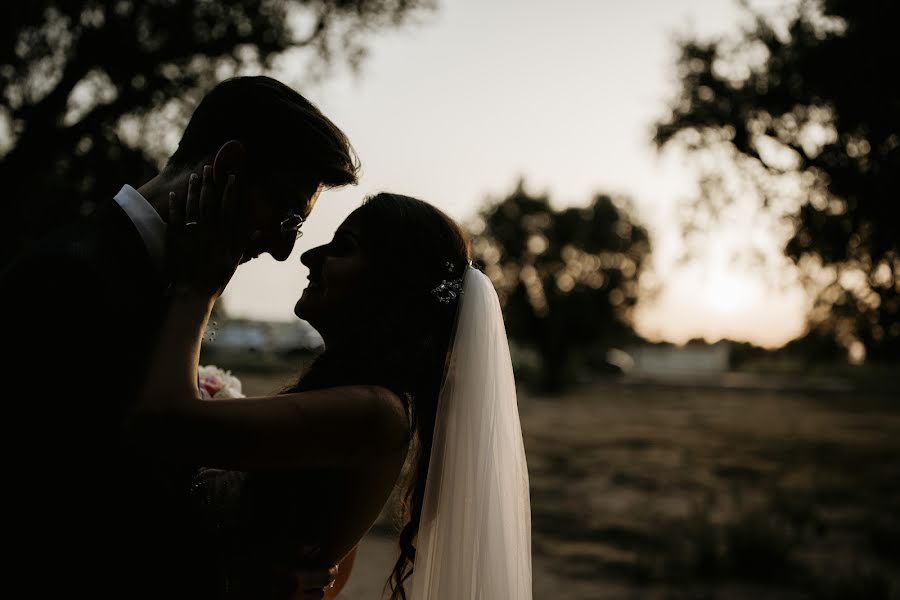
[{"x": 280, "y": 129}]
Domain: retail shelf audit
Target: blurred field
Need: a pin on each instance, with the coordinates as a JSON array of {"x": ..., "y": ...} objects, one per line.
[{"x": 676, "y": 492}]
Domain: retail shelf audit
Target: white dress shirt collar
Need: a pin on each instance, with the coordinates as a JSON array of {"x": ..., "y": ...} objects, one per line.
[{"x": 149, "y": 224}]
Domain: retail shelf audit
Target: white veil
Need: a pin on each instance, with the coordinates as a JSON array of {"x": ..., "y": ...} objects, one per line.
[{"x": 474, "y": 540}]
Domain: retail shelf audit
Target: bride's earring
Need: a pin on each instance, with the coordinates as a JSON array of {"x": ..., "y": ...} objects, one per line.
[{"x": 209, "y": 335}]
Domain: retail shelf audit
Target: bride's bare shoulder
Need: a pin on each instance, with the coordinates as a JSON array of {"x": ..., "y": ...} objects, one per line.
[
  {"x": 378, "y": 399},
  {"x": 376, "y": 409},
  {"x": 387, "y": 408}
]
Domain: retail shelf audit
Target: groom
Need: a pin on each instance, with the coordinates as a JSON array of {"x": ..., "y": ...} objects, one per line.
[{"x": 79, "y": 314}]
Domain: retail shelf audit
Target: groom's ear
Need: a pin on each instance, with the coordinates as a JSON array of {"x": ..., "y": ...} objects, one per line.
[{"x": 230, "y": 159}]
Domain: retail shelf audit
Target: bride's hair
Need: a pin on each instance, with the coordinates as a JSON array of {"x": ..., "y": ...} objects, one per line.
[{"x": 415, "y": 248}]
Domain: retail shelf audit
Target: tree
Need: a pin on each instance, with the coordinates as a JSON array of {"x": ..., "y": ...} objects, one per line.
[
  {"x": 567, "y": 279},
  {"x": 808, "y": 110},
  {"x": 91, "y": 92}
]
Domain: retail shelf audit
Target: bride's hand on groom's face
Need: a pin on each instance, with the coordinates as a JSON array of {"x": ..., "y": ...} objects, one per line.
[{"x": 204, "y": 244}]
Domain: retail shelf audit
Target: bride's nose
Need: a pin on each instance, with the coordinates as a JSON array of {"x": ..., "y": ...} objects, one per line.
[{"x": 312, "y": 258}]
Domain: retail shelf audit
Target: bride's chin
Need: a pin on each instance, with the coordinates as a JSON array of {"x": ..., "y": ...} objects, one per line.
[{"x": 301, "y": 308}]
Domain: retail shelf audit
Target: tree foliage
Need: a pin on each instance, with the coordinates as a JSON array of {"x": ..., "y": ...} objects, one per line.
[
  {"x": 567, "y": 279},
  {"x": 808, "y": 108},
  {"x": 92, "y": 91}
]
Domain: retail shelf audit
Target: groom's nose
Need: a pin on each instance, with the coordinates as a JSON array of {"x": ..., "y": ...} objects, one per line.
[{"x": 282, "y": 249}]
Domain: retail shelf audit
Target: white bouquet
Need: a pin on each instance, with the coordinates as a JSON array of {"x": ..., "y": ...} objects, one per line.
[{"x": 217, "y": 384}]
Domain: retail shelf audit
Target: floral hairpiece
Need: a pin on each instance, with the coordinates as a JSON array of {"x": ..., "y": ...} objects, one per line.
[{"x": 449, "y": 289}]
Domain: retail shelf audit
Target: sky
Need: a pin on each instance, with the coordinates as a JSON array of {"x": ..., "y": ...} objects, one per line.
[{"x": 456, "y": 108}]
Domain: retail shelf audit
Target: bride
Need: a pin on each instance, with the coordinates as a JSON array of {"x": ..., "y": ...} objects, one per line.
[{"x": 416, "y": 371}]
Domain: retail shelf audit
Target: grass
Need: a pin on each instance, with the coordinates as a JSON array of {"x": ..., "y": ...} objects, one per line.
[
  {"x": 690, "y": 493},
  {"x": 720, "y": 494}
]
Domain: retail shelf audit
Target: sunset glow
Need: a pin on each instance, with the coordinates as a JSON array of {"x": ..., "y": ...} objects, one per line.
[{"x": 564, "y": 97}]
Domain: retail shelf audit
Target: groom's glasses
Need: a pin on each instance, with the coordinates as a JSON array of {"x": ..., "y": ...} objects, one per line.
[{"x": 292, "y": 224}]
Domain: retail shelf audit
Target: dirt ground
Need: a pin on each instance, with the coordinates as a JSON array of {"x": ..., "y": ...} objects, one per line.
[{"x": 651, "y": 491}]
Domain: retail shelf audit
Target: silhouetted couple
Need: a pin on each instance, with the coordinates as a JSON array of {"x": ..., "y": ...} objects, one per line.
[{"x": 106, "y": 430}]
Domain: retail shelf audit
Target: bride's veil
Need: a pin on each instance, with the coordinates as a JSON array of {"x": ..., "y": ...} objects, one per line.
[{"x": 474, "y": 539}]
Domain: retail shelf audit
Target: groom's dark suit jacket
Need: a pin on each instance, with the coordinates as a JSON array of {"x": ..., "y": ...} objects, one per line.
[{"x": 83, "y": 511}]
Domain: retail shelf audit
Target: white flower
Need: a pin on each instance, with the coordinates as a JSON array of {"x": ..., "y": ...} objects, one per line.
[{"x": 216, "y": 384}]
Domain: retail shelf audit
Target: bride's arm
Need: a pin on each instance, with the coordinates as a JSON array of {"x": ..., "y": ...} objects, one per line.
[{"x": 330, "y": 427}]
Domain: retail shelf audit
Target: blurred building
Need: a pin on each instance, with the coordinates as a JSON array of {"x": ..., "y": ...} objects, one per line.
[
  {"x": 273, "y": 337},
  {"x": 694, "y": 359}
]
